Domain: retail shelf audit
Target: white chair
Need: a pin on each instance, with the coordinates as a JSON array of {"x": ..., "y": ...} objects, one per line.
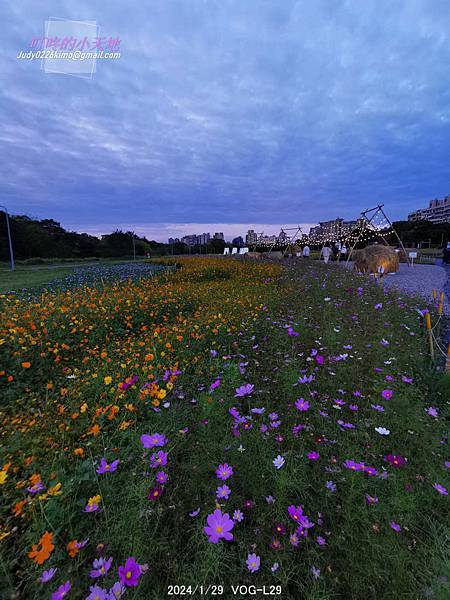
[
  {"x": 226, "y": 251},
  {"x": 235, "y": 251},
  {"x": 243, "y": 251}
]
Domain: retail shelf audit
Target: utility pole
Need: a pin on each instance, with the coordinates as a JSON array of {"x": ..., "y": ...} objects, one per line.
[
  {"x": 11, "y": 253},
  {"x": 134, "y": 247}
]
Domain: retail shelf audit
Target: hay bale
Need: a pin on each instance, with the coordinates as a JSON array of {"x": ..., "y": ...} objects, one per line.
[
  {"x": 370, "y": 259},
  {"x": 253, "y": 255}
]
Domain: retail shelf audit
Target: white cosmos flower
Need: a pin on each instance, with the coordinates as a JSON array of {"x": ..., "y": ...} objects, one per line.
[{"x": 382, "y": 430}]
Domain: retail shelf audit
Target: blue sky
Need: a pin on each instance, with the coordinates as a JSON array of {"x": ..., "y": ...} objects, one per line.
[{"x": 229, "y": 112}]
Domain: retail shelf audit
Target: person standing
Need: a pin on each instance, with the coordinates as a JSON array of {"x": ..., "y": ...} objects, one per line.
[
  {"x": 306, "y": 251},
  {"x": 335, "y": 251},
  {"x": 326, "y": 251},
  {"x": 343, "y": 255}
]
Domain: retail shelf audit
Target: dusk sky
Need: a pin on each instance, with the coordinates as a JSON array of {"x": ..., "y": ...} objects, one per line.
[{"x": 217, "y": 113}]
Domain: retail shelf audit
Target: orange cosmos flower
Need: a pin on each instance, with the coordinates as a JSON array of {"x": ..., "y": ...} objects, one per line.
[
  {"x": 72, "y": 548},
  {"x": 41, "y": 552},
  {"x": 26, "y": 365}
]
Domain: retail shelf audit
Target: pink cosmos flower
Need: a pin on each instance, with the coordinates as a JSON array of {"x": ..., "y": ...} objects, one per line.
[
  {"x": 253, "y": 563},
  {"x": 295, "y": 512},
  {"x": 313, "y": 455},
  {"x": 105, "y": 467},
  {"x": 302, "y": 405},
  {"x": 101, "y": 567},
  {"x": 244, "y": 390},
  {"x": 161, "y": 477},
  {"x": 387, "y": 394},
  {"x": 224, "y": 471},
  {"x": 156, "y": 439},
  {"x": 396, "y": 460},
  {"x": 155, "y": 493},
  {"x": 62, "y": 591},
  {"x": 223, "y": 491},
  {"x": 219, "y": 526},
  {"x": 158, "y": 459},
  {"x": 440, "y": 488},
  {"x": 129, "y": 573},
  {"x": 47, "y": 575}
]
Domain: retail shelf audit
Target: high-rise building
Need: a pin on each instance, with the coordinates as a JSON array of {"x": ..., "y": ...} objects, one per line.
[
  {"x": 251, "y": 238},
  {"x": 190, "y": 240},
  {"x": 238, "y": 241},
  {"x": 438, "y": 211},
  {"x": 218, "y": 236},
  {"x": 203, "y": 239}
]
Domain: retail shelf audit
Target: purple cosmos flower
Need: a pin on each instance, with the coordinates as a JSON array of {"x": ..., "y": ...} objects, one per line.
[
  {"x": 258, "y": 411},
  {"x": 91, "y": 507},
  {"x": 224, "y": 471},
  {"x": 244, "y": 390},
  {"x": 395, "y": 526},
  {"x": 302, "y": 405},
  {"x": 315, "y": 572},
  {"x": 62, "y": 591},
  {"x": 47, "y": 575},
  {"x": 330, "y": 486},
  {"x": 36, "y": 488},
  {"x": 97, "y": 593},
  {"x": 274, "y": 567},
  {"x": 238, "y": 516},
  {"x": 294, "y": 539},
  {"x": 377, "y": 407},
  {"x": 83, "y": 543},
  {"x": 129, "y": 573},
  {"x": 101, "y": 567},
  {"x": 407, "y": 379},
  {"x": 432, "y": 411},
  {"x": 440, "y": 488},
  {"x": 396, "y": 460},
  {"x": 278, "y": 462},
  {"x": 387, "y": 394},
  {"x": 371, "y": 499},
  {"x": 270, "y": 500},
  {"x": 155, "y": 493},
  {"x": 253, "y": 563},
  {"x": 353, "y": 466},
  {"x": 321, "y": 541},
  {"x": 161, "y": 477},
  {"x": 158, "y": 459},
  {"x": 273, "y": 416},
  {"x": 214, "y": 385},
  {"x": 295, "y": 512},
  {"x": 313, "y": 455},
  {"x": 279, "y": 529},
  {"x": 117, "y": 591},
  {"x": 223, "y": 491},
  {"x": 105, "y": 467},
  {"x": 219, "y": 526},
  {"x": 292, "y": 333},
  {"x": 213, "y": 353},
  {"x": 194, "y": 513},
  {"x": 156, "y": 439},
  {"x": 306, "y": 379}
]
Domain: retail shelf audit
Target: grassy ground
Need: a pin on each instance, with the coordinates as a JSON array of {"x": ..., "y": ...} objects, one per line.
[
  {"x": 27, "y": 277},
  {"x": 238, "y": 364}
]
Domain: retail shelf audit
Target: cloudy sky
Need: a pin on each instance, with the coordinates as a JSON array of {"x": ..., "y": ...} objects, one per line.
[{"x": 223, "y": 112}]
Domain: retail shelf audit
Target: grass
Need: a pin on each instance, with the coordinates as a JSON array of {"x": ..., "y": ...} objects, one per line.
[
  {"x": 85, "y": 373},
  {"x": 23, "y": 277}
]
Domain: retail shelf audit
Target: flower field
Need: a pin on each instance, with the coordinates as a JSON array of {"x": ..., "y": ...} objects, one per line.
[{"x": 226, "y": 423}]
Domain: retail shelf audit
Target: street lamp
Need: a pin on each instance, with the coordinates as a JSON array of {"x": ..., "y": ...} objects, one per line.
[{"x": 11, "y": 253}]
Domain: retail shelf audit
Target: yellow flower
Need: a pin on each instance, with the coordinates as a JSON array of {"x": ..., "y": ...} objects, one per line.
[
  {"x": 162, "y": 394},
  {"x": 83, "y": 408},
  {"x": 107, "y": 380},
  {"x": 55, "y": 490},
  {"x": 3, "y": 477},
  {"x": 94, "y": 500}
]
